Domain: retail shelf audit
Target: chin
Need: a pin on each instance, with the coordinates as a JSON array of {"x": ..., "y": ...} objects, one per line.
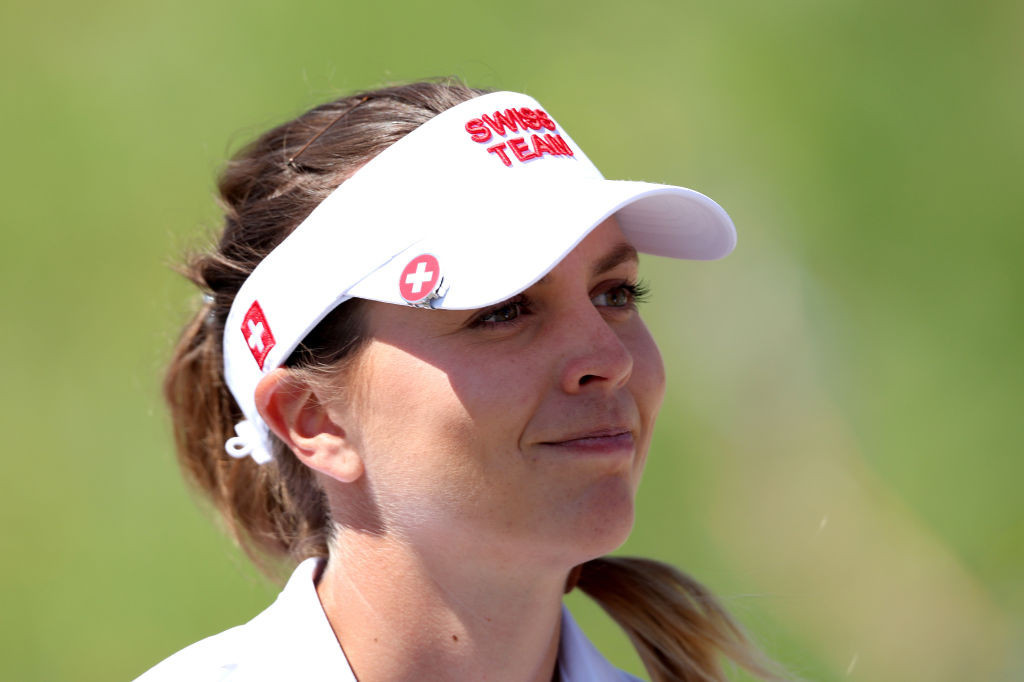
[{"x": 606, "y": 519}]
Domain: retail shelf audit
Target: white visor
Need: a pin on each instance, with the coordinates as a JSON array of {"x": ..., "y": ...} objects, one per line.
[{"x": 468, "y": 210}]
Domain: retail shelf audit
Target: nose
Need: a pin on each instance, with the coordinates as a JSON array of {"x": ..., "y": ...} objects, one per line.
[{"x": 595, "y": 356}]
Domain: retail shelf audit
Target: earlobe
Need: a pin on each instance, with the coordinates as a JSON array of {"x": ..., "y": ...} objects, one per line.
[{"x": 296, "y": 415}]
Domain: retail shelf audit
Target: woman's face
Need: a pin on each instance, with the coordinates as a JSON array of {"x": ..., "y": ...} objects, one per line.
[{"x": 520, "y": 431}]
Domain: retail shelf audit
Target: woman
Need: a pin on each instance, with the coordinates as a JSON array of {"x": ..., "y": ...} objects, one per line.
[{"x": 437, "y": 395}]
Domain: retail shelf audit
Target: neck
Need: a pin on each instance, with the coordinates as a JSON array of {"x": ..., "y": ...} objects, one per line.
[{"x": 400, "y": 615}]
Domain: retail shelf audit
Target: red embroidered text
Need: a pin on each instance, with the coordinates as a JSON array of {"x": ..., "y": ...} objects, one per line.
[{"x": 527, "y": 145}]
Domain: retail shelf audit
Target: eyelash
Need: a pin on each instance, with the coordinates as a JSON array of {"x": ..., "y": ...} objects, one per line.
[{"x": 638, "y": 292}]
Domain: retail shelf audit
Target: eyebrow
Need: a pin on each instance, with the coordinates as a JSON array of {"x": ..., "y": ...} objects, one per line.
[{"x": 619, "y": 254}]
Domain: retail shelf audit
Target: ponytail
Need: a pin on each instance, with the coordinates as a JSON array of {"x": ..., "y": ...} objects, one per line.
[
  {"x": 272, "y": 511},
  {"x": 678, "y": 627}
]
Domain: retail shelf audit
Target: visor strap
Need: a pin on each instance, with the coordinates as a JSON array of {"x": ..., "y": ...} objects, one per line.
[{"x": 248, "y": 443}]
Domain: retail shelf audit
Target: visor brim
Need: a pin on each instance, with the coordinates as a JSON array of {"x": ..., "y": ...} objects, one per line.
[{"x": 490, "y": 253}]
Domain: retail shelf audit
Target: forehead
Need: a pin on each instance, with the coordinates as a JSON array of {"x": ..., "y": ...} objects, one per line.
[{"x": 620, "y": 253}]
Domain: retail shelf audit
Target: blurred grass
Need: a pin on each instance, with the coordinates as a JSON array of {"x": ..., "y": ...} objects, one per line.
[{"x": 839, "y": 454}]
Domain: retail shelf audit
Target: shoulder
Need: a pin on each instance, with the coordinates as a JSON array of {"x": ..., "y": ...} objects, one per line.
[
  {"x": 291, "y": 639},
  {"x": 214, "y": 658},
  {"x": 246, "y": 652}
]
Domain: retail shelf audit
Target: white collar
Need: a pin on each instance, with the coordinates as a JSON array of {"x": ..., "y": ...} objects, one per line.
[
  {"x": 292, "y": 639},
  {"x": 298, "y": 603}
]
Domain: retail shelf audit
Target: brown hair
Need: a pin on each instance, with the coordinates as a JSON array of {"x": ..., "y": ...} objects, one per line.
[{"x": 278, "y": 512}]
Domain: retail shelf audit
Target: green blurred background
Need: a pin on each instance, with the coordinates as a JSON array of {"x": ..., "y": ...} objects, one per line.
[{"x": 839, "y": 456}]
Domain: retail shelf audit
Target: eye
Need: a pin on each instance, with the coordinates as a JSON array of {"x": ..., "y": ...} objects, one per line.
[
  {"x": 623, "y": 295},
  {"x": 504, "y": 313}
]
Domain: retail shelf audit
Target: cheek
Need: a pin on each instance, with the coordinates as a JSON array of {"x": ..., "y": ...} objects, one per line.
[
  {"x": 647, "y": 386},
  {"x": 436, "y": 438},
  {"x": 396, "y": 409},
  {"x": 498, "y": 391},
  {"x": 648, "y": 381}
]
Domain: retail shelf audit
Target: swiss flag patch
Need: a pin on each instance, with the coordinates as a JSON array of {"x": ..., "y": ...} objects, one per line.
[
  {"x": 419, "y": 278},
  {"x": 257, "y": 334}
]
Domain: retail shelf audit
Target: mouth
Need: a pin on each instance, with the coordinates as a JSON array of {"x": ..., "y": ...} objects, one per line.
[{"x": 610, "y": 441}]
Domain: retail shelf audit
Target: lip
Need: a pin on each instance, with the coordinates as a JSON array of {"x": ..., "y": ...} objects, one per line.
[{"x": 605, "y": 441}]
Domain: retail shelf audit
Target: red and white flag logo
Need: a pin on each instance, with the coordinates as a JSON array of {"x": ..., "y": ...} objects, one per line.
[
  {"x": 419, "y": 278},
  {"x": 257, "y": 333}
]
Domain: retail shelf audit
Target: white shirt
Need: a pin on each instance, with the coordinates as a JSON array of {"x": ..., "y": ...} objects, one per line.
[{"x": 292, "y": 640}]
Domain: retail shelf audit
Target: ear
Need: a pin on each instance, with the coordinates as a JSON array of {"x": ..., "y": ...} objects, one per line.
[{"x": 296, "y": 415}]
